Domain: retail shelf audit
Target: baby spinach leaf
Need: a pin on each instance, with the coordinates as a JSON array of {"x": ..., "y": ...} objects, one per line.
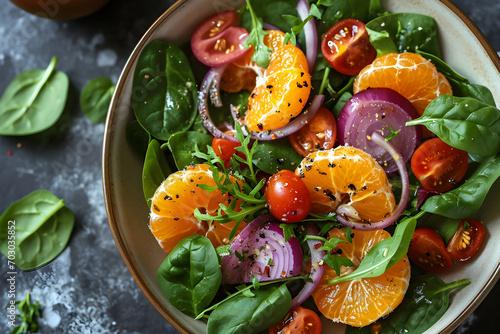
[
  {"x": 403, "y": 32},
  {"x": 384, "y": 254},
  {"x": 275, "y": 155},
  {"x": 461, "y": 86},
  {"x": 182, "y": 145},
  {"x": 39, "y": 225},
  {"x": 33, "y": 101},
  {"x": 95, "y": 98},
  {"x": 137, "y": 138},
  {"x": 155, "y": 170},
  {"x": 190, "y": 275},
  {"x": 243, "y": 314},
  {"x": 164, "y": 95},
  {"x": 464, "y": 123},
  {"x": 463, "y": 201},
  {"x": 271, "y": 11}
]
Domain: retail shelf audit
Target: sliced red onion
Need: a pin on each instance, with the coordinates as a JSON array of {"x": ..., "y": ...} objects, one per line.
[
  {"x": 423, "y": 194},
  {"x": 317, "y": 266},
  {"x": 210, "y": 87},
  {"x": 268, "y": 26},
  {"x": 294, "y": 125},
  {"x": 266, "y": 254},
  {"x": 379, "y": 109},
  {"x": 343, "y": 218},
  {"x": 309, "y": 32}
]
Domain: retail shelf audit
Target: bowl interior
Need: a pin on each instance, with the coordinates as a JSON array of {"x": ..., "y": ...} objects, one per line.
[{"x": 464, "y": 49}]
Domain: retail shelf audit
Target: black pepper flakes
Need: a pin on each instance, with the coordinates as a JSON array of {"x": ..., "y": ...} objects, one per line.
[{"x": 167, "y": 198}]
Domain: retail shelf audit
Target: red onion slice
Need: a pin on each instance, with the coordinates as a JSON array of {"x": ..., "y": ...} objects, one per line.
[
  {"x": 317, "y": 266},
  {"x": 269, "y": 26},
  {"x": 343, "y": 217},
  {"x": 423, "y": 194},
  {"x": 309, "y": 32},
  {"x": 379, "y": 109},
  {"x": 266, "y": 254}
]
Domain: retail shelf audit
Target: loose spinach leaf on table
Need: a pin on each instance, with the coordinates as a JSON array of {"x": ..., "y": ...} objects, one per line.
[
  {"x": 190, "y": 275},
  {"x": 275, "y": 155},
  {"x": 183, "y": 145},
  {"x": 155, "y": 170},
  {"x": 403, "y": 32},
  {"x": 137, "y": 138},
  {"x": 243, "y": 314},
  {"x": 41, "y": 225},
  {"x": 95, "y": 98},
  {"x": 164, "y": 94},
  {"x": 464, "y": 123},
  {"x": 33, "y": 101},
  {"x": 465, "y": 200}
]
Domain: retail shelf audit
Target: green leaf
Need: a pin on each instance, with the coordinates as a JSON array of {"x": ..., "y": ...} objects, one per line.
[
  {"x": 465, "y": 200},
  {"x": 95, "y": 98},
  {"x": 164, "y": 93},
  {"x": 190, "y": 275},
  {"x": 137, "y": 138},
  {"x": 183, "y": 145},
  {"x": 154, "y": 171},
  {"x": 40, "y": 225},
  {"x": 275, "y": 155},
  {"x": 464, "y": 123},
  {"x": 262, "y": 53},
  {"x": 29, "y": 311},
  {"x": 244, "y": 315},
  {"x": 336, "y": 261},
  {"x": 271, "y": 11},
  {"x": 33, "y": 101}
]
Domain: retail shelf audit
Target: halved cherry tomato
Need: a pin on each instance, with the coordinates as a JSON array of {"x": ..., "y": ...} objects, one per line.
[
  {"x": 438, "y": 166},
  {"x": 319, "y": 134},
  {"x": 287, "y": 197},
  {"x": 466, "y": 240},
  {"x": 225, "y": 150},
  {"x": 347, "y": 47},
  {"x": 427, "y": 250},
  {"x": 216, "y": 41},
  {"x": 300, "y": 320}
]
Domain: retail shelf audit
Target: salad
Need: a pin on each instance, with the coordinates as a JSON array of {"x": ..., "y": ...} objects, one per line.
[{"x": 319, "y": 160}]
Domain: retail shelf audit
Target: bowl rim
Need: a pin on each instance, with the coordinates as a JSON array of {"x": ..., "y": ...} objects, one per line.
[{"x": 113, "y": 110}]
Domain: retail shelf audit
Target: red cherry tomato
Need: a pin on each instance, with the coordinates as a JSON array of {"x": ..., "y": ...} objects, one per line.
[
  {"x": 347, "y": 47},
  {"x": 300, "y": 320},
  {"x": 466, "y": 240},
  {"x": 216, "y": 41},
  {"x": 427, "y": 250},
  {"x": 319, "y": 134},
  {"x": 287, "y": 197},
  {"x": 225, "y": 150},
  {"x": 438, "y": 166}
]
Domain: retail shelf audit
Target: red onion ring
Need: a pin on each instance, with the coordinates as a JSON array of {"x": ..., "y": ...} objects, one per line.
[
  {"x": 266, "y": 254},
  {"x": 269, "y": 26},
  {"x": 343, "y": 218},
  {"x": 423, "y": 194},
  {"x": 317, "y": 266},
  {"x": 309, "y": 32}
]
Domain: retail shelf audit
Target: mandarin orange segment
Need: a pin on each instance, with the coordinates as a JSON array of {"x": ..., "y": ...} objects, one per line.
[
  {"x": 350, "y": 177},
  {"x": 361, "y": 302},
  {"x": 281, "y": 93},
  {"x": 173, "y": 204},
  {"x": 409, "y": 74}
]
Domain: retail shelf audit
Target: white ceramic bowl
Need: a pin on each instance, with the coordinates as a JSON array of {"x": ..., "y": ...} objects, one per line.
[{"x": 464, "y": 48}]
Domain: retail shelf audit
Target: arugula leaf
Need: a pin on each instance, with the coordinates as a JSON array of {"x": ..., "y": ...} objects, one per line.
[
  {"x": 335, "y": 261},
  {"x": 262, "y": 52},
  {"x": 29, "y": 311},
  {"x": 299, "y": 24}
]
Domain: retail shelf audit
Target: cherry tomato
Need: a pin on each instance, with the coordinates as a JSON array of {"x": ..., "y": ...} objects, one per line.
[
  {"x": 467, "y": 240},
  {"x": 438, "y": 166},
  {"x": 300, "y": 320},
  {"x": 287, "y": 197},
  {"x": 319, "y": 134},
  {"x": 427, "y": 250},
  {"x": 225, "y": 149},
  {"x": 216, "y": 41},
  {"x": 347, "y": 47}
]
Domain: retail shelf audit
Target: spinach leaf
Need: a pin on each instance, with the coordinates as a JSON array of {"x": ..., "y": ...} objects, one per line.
[
  {"x": 403, "y": 32},
  {"x": 164, "y": 95},
  {"x": 95, "y": 98},
  {"x": 155, "y": 170},
  {"x": 271, "y": 11},
  {"x": 424, "y": 304},
  {"x": 342, "y": 100},
  {"x": 190, "y": 275},
  {"x": 464, "y": 123},
  {"x": 275, "y": 155},
  {"x": 446, "y": 227},
  {"x": 384, "y": 254},
  {"x": 243, "y": 314},
  {"x": 223, "y": 114},
  {"x": 182, "y": 145},
  {"x": 463, "y": 201},
  {"x": 461, "y": 86},
  {"x": 39, "y": 225},
  {"x": 137, "y": 138},
  {"x": 33, "y": 101}
]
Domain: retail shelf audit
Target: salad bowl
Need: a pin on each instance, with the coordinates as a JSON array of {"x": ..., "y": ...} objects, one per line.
[{"x": 463, "y": 47}]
